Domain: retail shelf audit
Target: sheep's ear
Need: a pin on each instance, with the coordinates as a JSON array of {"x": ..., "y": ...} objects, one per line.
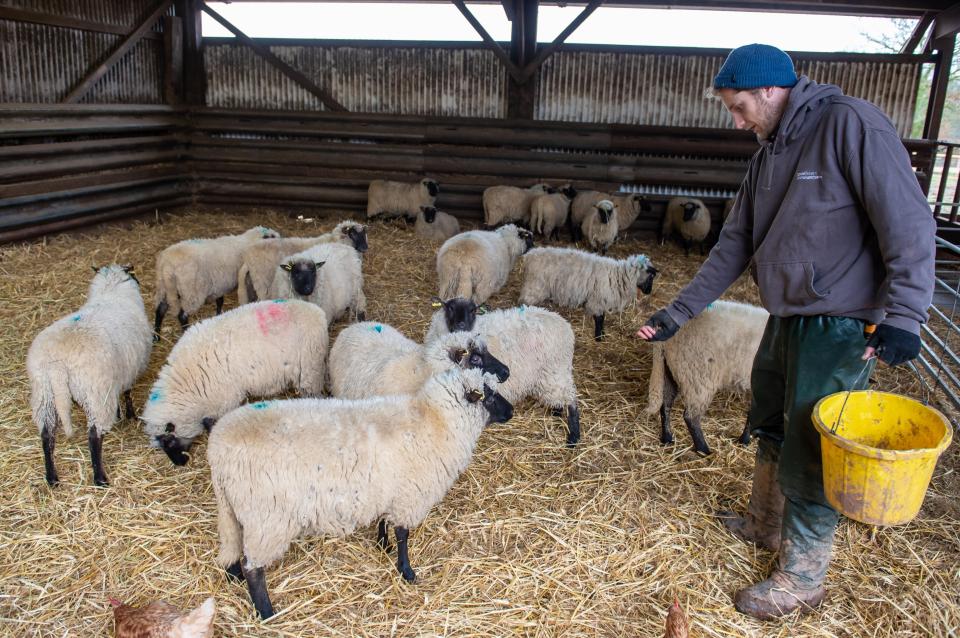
[
  {"x": 457, "y": 354},
  {"x": 208, "y": 423},
  {"x": 287, "y": 267},
  {"x": 482, "y": 309},
  {"x": 436, "y": 302},
  {"x": 318, "y": 264},
  {"x": 475, "y": 395},
  {"x": 95, "y": 269},
  {"x": 346, "y": 230},
  {"x": 127, "y": 268}
]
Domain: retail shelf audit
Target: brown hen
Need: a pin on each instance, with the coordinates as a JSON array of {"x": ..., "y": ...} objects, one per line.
[
  {"x": 162, "y": 620},
  {"x": 676, "y": 622}
]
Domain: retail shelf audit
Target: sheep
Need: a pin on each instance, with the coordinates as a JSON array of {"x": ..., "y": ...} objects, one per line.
[
  {"x": 711, "y": 352},
  {"x": 328, "y": 275},
  {"x": 690, "y": 218},
  {"x": 454, "y": 315},
  {"x": 372, "y": 359},
  {"x": 387, "y": 199},
  {"x": 282, "y": 469},
  {"x": 573, "y": 278},
  {"x": 259, "y": 261},
  {"x": 191, "y": 272},
  {"x": 628, "y": 207},
  {"x": 509, "y": 204},
  {"x": 90, "y": 356},
  {"x": 257, "y": 349},
  {"x": 535, "y": 343},
  {"x": 601, "y": 227},
  {"x": 477, "y": 263},
  {"x": 435, "y": 225},
  {"x": 548, "y": 213}
]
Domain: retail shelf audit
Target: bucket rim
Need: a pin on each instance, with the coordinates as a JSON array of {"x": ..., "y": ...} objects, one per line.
[{"x": 878, "y": 453}]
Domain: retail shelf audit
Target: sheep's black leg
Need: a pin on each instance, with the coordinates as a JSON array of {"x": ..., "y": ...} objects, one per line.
[
  {"x": 182, "y": 317},
  {"x": 219, "y": 305},
  {"x": 361, "y": 316},
  {"x": 598, "y": 327},
  {"x": 257, "y": 585},
  {"x": 686, "y": 247},
  {"x": 118, "y": 413},
  {"x": 669, "y": 394},
  {"x": 158, "y": 319},
  {"x": 49, "y": 438},
  {"x": 696, "y": 433},
  {"x": 744, "y": 438},
  {"x": 128, "y": 405},
  {"x": 701, "y": 249},
  {"x": 555, "y": 234},
  {"x": 403, "y": 560},
  {"x": 382, "y": 539},
  {"x": 235, "y": 572},
  {"x": 573, "y": 424},
  {"x": 96, "y": 457}
]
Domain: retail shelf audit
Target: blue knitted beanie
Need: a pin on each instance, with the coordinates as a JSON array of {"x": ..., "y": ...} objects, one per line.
[{"x": 756, "y": 65}]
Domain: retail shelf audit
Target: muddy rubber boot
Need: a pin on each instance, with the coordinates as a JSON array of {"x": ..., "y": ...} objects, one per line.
[
  {"x": 761, "y": 523},
  {"x": 797, "y": 582}
]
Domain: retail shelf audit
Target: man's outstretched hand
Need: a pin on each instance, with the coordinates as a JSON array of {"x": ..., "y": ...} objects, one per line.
[
  {"x": 659, "y": 327},
  {"x": 892, "y": 345}
]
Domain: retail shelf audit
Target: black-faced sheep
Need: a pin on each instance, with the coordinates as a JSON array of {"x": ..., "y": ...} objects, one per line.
[
  {"x": 191, "y": 272},
  {"x": 509, "y": 204},
  {"x": 374, "y": 359},
  {"x": 90, "y": 356},
  {"x": 536, "y": 344},
  {"x": 282, "y": 469},
  {"x": 690, "y": 218},
  {"x": 549, "y": 212},
  {"x": 600, "y": 226},
  {"x": 477, "y": 263},
  {"x": 259, "y": 261},
  {"x": 628, "y": 208},
  {"x": 574, "y": 278},
  {"x": 711, "y": 352},
  {"x": 434, "y": 225},
  {"x": 387, "y": 199},
  {"x": 257, "y": 350},
  {"x": 328, "y": 275}
]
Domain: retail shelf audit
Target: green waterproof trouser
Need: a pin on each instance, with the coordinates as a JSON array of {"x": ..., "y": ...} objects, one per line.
[{"x": 800, "y": 361}]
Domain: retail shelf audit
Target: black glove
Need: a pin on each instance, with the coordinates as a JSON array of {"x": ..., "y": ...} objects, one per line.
[
  {"x": 666, "y": 327},
  {"x": 894, "y": 345}
]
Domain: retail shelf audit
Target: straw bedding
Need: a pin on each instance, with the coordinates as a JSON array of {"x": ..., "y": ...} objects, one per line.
[{"x": 533, "y": 540}]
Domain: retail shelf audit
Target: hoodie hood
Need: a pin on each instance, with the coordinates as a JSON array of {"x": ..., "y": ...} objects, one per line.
[{"x": 804, "y": 108}]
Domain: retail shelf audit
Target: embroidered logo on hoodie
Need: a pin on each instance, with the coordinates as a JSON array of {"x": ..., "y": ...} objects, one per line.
[{"x": 803, "y": 176}]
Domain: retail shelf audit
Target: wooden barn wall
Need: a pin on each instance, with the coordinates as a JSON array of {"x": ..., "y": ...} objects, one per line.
[{"x": 41, "y": 63}]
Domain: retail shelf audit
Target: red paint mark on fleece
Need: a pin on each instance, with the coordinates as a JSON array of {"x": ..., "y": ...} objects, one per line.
[{"x": 272, "y": 317}]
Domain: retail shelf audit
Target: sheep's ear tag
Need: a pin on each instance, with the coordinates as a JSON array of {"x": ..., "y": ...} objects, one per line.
[
  {"x": 482, "y": 309},
  {"x": 474, "y": 395},
  {"x": 287, "y": 267},
  {"x": 436, "y": 304},
  {"x": 457, "y": 354}
]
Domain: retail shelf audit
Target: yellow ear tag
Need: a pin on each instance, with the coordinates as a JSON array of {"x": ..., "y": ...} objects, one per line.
[{"x": 436, "y": 304}]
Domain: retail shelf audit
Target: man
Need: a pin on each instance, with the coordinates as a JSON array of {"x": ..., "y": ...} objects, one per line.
[{"x": 838, "y": 236}]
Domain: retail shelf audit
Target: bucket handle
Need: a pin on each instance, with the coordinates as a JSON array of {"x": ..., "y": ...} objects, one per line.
[{"x": 836, "y": 424}]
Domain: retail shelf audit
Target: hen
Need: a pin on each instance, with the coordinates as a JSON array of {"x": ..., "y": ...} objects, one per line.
[
  {"x": 162, "y": 620},
  {"x": 676, "y": 622}
]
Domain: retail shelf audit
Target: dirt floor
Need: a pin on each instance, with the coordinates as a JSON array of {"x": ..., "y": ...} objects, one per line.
[{"x": 533, "y": 540}]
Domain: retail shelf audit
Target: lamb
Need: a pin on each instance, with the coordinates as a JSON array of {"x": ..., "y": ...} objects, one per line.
[
  {"x": 476, "y": 264},
  {"x": 548, "y": 213},
  {"x": 283, "y": 469},
  {"x": 191, "y": 272},
  {"x": 711, "y": 352},
  {"x": 690, "y": 218},
  {"x": 387, "y": 199},
  {"x": 454, "y": 315},
  {"x": 90, "y": 356},
  {"x": 259, "y": 261},
  {"x": 257, "y": 349},
  {"x": 434, "y": 225},
  {"x": 628, "y": 207},
  {"x": 509, "y": 204},
  {"x": 328, "y": 275},
  {"x": 601, "y": 227},
  {"x": 536, "y": 344},
  {"x": 573, "y": 278},
  {"x": 372, "y": 359}
]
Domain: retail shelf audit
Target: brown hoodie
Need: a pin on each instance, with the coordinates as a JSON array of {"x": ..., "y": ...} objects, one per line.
[{"x": 830, "y": 218}]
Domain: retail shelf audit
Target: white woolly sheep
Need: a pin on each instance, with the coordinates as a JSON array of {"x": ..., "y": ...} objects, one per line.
[
  {"x": 600, "y": 226},
  {"x": 192, "y": 272},
  {"x": 328, "y": 275},
  {"x": 574, "y": 278},
  {"x": 549, "y": 212},
  {"x": 257, "y": 349},
  {"x": 536, "y": 344},
  {"x": 628, "y": 207},
  {"x": 434, "y": 225},
  {"x": 509, "y": 204},
  {"x": 373, "y": 359},
  {"x": 476, "y": 264},
  {"x": 711, "y": 352},
  {"x": 90, "y": 356},
  {"x": 690, "y": 218},
  {"x": 387, "y": 199},
  {"x": 259, "y": 261},
  {"x": 282, "y": 469}
]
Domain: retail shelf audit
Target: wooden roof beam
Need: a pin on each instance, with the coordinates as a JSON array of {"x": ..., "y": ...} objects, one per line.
[
  {"x": 549, "y": 50},
  {"x": 66, "y": 22},
  {"x": 946, "y": 23},
  {"x": 498, "y": 51},
  {"x": 917, "y": 35}
]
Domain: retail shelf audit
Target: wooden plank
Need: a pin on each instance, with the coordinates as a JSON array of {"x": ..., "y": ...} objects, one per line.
[
  {"x": 52, "y": 20},
  {"x": 917, "y": 34},
  {"x": 45, "y": 127},
  {"x": 194, "y": 76},
  {"x": 25, "y": 152},
  {"x": 497, "y": 50},
  {"x": 172, "y": 59},
  {"x": 118, "y": 52},
  {"x": 324, "y": 96},
  {"x": 70, "y": 186},
  {"x": 938, "y": 90},
  {"x": 552, "y": 48},
  {"x": 21, "y": 171}
]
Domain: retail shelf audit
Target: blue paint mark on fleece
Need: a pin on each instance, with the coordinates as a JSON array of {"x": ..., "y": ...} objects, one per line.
[
  {"x": 377, "y": 328},
  {"x": 259, "y": 405},
  {"x": 279, "y": 301},
  {"x": 75, "y": 318},
  {"x": 155, "y": 395}
]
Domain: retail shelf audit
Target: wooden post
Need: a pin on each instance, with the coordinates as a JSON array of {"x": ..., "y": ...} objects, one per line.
[
  {"x": 521, "y": 96},
  {"x": 194, "y": 76},
  {"x": 172, "y": 59},
  {"x": 938, "y": 90}
]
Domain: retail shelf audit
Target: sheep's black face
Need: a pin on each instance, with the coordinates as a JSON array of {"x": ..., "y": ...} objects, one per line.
[
  {"x": 527, "y": 238},
  {"x": 689, "y": 211},
  {"x": 479, "y": 357},
  {"x": 499, "y": 409},
  {"x": 646, "y": 284},
  {"x": 174, "y": 447},
  {"x": 358, "y": 235},
  {"x": 303, "y": 277},
  {"x": 460, "y": 314},
  {"x": 569, "y": 192},
  {"x": 432, "y": 187},
  {"x": 429, "y": 214},
  {"x": 604, "y": 214}
]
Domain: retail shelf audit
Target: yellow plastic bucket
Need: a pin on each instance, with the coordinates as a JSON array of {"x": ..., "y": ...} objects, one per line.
[{"x": 878, "y": 462}]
